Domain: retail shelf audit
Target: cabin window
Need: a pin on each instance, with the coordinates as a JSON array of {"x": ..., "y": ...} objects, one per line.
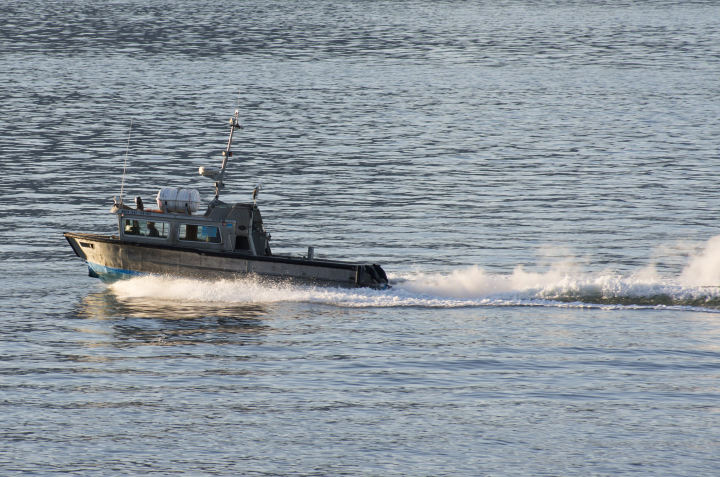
[
  {"x": 146, "y": 228},
  {"x": 199, "y": 233}
]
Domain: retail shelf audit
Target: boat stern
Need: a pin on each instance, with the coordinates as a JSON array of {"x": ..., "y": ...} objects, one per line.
[{"x": 373, "y": 276}]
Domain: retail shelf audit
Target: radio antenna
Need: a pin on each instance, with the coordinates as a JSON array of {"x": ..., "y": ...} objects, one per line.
[{"x": 122, "y": 186}]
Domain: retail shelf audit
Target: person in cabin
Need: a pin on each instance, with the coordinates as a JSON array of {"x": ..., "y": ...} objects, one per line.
[
  {"x": 132, "y": 227},
  {"x": 152, "y": 231}
]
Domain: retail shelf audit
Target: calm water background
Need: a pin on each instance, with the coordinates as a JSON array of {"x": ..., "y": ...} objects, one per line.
[{"x": 540, "y": 179}]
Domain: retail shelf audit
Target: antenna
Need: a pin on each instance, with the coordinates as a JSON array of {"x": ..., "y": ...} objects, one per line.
[{"x": 122, "y": 186}]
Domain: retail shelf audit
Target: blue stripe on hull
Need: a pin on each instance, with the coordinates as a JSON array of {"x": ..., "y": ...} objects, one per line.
[{"x": 110, "y": 275}]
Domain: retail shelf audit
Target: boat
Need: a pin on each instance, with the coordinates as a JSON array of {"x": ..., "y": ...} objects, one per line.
[{"x": 227, "y": 241}]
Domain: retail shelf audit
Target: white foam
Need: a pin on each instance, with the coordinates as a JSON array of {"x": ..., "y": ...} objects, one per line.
[
  {"x": 564, "y": 284},
  {"x": 473, "y": 282},
  {"x": 704, "y": 268},
  {"x": 461, "y": 288}
]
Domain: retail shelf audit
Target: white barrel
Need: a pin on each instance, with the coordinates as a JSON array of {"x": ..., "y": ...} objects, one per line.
[
  {"x": 166, "y": 199},
  {"x": 178, "y": 200}
]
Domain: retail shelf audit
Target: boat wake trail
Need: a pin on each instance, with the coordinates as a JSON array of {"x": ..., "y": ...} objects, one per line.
[
  {"x": 461, "y": 288},
  {"x": 564, "y": 285},
  {"x": 555, "y": 288}
]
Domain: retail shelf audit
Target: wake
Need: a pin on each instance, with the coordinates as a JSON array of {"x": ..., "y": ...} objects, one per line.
[
  {"x": 564, "y": 285},
  {"x": 558, "y": 288}
]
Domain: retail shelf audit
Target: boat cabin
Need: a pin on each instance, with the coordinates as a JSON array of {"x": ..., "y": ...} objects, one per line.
[{"x": 236, "y": 228}]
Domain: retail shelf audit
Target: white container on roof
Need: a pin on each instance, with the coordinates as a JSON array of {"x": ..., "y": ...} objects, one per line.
[{"x": 178, "y": 200}]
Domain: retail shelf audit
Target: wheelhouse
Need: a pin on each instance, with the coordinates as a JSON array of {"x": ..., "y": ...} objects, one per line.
[{"x": 236, "y": 228}]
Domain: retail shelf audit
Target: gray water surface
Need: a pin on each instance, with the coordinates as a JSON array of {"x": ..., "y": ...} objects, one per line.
[{"x": 538, "y": 179}]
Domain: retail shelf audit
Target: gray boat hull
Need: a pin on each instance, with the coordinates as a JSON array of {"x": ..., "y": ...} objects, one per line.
[{"x": 111, "y": 259}]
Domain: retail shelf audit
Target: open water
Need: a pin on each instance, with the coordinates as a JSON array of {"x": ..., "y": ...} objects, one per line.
[{"x": 540, "y": 180}]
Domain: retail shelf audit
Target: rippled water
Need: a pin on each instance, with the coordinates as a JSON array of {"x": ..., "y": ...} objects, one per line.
[{"x": 538, "y": 178}]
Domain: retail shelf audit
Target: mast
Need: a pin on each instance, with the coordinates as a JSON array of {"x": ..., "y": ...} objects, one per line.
[{"x": 227, "y": 153}]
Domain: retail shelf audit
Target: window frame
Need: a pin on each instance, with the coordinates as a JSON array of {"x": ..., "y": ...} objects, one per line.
[
  {"x": 180, "y": 225},
  {"x": 167, "y": 227}
]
